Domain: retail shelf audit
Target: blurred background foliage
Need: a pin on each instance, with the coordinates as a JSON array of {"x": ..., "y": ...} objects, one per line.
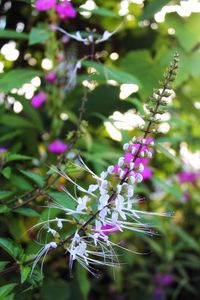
[{"x": 128, "y": 66}]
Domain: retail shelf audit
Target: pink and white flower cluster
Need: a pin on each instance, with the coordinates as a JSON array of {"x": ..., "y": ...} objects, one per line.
[
  {"x": 112, "y": 202},
  {"x": 64, "y": 8}
]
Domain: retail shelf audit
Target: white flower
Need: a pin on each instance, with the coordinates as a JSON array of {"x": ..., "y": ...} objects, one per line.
[
  {"x": 59, "y": 223},
  {"x": 52, "y": 231},
  {"x": 82, "y": 203},
  {"x": 110, "y": 169},
  {"x": 139, "y": 178},
  {"x": 92, "y": 188},
  {"x": 103, "y": 201},
  {"x": 126, "y": 146},
  {"x": 141, "y": 168},
  {"x": 121, "y": 161}
]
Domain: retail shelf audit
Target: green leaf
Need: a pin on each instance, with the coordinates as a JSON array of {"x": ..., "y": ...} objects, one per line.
[
  {"x": 16, "y": 78},
  {"x": 11, "y": 134},
  {"x": 4, "y": 209},
  {"x": 63, "y": 199},
  {"x": 39, "y": 35},
  {"x": 12, "y": 120},
  {"x": 38, "y": 179},
  {"x": 6, "y": 172},
  {"x": 141, "y": 65},
  {"x": 151, "y": 8},
  {"x": 56, "y": 289},
  {"x": 12, "y": 157},
  {"x": 11, "y": 34},
  {"x": 100, "y": 11},
  {"x": 5, "y": 194},
  {"x": 13, "y": 249},
  {"x": 168, "y": 154},
  {"x": 28, "y": 212},
  {"x": 186, "y": 29},
  {"x": 186, "y": 237},
  {"x": 32, "y": 114},
  {"x": 83, "y": 280},
  {"x": 111, "y": 73},
  {"x": 24, "y": 271},
  {"x": 6, "y": 289},
  {"x": 3, "y": 264}
]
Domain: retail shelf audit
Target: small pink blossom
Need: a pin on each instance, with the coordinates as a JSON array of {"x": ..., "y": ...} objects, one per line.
[
  {"x": 57, "y": 147},
  {"x": 51, "y": 77},
  {"x": 42, "y": 5},
  {"x": 65, "y": 10},
  {"x": 38, "y": 100},
  {"x": 109, "y": 228}
]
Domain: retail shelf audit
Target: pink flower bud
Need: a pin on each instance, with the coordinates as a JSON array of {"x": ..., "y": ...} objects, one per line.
[
  {"x": 38, "y": 100},
  {"x": 57, "y": 147},
  {"x": 65, "y": 10}
]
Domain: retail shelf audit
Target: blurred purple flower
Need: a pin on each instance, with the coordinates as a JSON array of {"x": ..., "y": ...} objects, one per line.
[
  {"x": 57, "y": 147},
  {"x": 158, "y": 292},
  {"x": 38, "y": 100},
  {"x": 188, "y": 176},
  {"x": 42, "y": 5},
  {"x": 65, "y": 10},
  {"x": 3, "y": 150},
  {"x": 51, "y": 77},
  {"x": 164, "y": 279},
  {"x": 186, "y": 196}
]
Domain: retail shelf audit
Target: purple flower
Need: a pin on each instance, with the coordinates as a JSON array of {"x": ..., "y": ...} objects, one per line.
[
  {"x": 188, "y": 176},
  {"x": 3, "y": 150},
  {"x": 42, "y": 5},
  {"x": 38, "y": 100},
  {"x": 164, "y": 279},
  {"x": 57, "y": 147},
  {"x": 65, "y": 10},
  {"x": 51, "y": 77},
  {"x": 158, "y": 292}
]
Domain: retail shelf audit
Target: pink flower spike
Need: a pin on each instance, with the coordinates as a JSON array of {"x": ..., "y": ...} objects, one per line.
[
  {"x": 42, "y": 5},
  {"x": 57, "y": 147},
  {"x": 38, "y": 100},
  {"x": 65, "y": 10},
  {"x": 51, "y": 77}
]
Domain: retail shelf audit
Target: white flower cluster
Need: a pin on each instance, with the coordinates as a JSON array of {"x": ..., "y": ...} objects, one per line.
[{"x": 106, "y": 207}]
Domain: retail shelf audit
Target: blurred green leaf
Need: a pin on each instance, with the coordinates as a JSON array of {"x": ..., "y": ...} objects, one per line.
[
  {"x": 186, "y": 29},
  {"x": 55, "y": 289},
  {"x": 6, "y": 172},
  {"x": 38, "y": 179},
  {"x": 83, "y": 280},
  {"x": 63, "y": 199},
  {"x": 3, "y": 264},
  {"x": 4, "y": 209},
  {"x": 11, "y": 34},
  {"x": 6, "y": 289},
  {"x": 111, "y": 73},
  {"x": 151, "y": 8},
  {"x": 12, "y": 157},
  {"x": 38, "y": 35},
  {"x": 24, "y": 271},
  {"x": 28, "y": 212},
  {"x": 13, "y": 249},
  {"x": 5, "y": 194},
  {"x": 16, "y": 78}
]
